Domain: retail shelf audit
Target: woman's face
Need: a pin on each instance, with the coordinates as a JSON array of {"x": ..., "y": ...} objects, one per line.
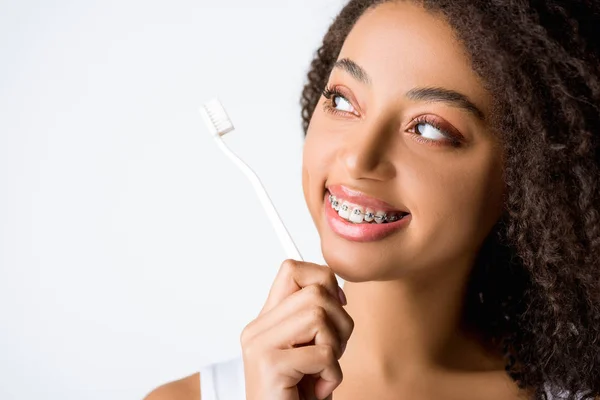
[{"x": 408, "y": 127}]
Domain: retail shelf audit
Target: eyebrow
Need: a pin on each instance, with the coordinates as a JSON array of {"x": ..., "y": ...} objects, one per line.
[
  {"x": 353, "y": 69},
  {"x": 432, "y": 94},
  {"x": 451, "y": 97}
]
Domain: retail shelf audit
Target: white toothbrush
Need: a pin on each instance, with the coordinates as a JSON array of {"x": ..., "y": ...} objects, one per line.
[{"x": 219, "y": 124}]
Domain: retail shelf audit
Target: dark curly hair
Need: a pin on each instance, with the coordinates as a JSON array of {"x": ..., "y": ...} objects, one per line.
[{"x": 535, "y": 289}]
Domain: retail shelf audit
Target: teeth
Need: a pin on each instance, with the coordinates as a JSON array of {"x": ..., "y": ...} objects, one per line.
[
  {"x": 379, "y": 217},
  {"x": 344, "y": 210},
  {"x": 335, "y": 204},
  {"x": 356, "y": 215}
]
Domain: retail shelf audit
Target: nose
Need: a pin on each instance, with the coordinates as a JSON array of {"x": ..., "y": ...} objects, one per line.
[{"x": 366, "y": 154}]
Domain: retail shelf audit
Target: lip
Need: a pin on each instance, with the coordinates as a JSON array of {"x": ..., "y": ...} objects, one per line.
[
  {"x": 360, "y": 232},
  {"x": 359, "y": 198}
]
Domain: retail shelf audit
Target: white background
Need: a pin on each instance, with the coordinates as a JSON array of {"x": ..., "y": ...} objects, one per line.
[{"x": 132, "y": 252}]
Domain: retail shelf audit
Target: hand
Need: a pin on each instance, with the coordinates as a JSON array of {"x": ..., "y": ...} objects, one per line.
[{"x": 291, "y": 350}]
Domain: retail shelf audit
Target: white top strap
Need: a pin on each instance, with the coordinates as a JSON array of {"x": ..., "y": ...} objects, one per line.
[{"x": 223, "y": 380}]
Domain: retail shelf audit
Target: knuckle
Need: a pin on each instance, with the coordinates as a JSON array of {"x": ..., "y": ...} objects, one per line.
[
  {"x": 347, "y": 329},
  {"x": 288, "y": 266},
  {"x": 316, "y": 292},
  {"x": 245, "y": 335},
  {"x": 249, "y": 343},
  {"x": 330, "y": 278},
  {"x": 249, "y": 329},
  {"x": 350, "y": 324},
  {"x": 317, "y": 315},
  {"x": 327, "y": 354}
]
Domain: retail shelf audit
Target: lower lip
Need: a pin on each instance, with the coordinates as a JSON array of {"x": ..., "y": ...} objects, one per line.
[{"x": 360, "y": 232}]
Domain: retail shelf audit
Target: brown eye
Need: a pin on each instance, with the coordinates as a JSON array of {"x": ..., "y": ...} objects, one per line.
[
  {"x": 429, "y": 131},
  {"x": 337, "y": 103},
  {"x": 342, "y": 103}
]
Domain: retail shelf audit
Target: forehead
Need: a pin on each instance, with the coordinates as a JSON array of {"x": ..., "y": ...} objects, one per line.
[{"x": 401, "y": 46}]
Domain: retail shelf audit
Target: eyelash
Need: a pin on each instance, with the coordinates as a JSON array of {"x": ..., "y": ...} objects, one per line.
[{"x": 330, "y": 92}]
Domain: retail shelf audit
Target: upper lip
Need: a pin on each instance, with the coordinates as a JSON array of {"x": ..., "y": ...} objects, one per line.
[{"x": 359, "y": 198}]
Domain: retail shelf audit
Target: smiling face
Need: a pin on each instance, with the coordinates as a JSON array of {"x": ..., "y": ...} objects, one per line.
[{"x": 403, "y": 121}]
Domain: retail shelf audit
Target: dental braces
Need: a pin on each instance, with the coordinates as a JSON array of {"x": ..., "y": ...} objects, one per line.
[{"x": 378, "y": 218}]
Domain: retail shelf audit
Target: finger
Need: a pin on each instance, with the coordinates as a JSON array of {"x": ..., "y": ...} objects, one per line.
[
  {"x": 308, "y": 360},
  {"x": 306, "y": 298},
  {"x": 310, "y": 325},
  {"x": 294, "y": 275},
  {"x": 306, "y": 387}
]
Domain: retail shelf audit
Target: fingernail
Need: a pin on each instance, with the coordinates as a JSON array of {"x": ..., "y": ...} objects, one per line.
[{"x": 342, "y": 296}]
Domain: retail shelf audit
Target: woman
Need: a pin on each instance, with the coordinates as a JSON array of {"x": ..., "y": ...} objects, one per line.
[{"x": 451, "y": 167}]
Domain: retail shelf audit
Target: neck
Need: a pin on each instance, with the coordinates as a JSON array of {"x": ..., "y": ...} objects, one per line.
[{"x": 408, "y": 326}]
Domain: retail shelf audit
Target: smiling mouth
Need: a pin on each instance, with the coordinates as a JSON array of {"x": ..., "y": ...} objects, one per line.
[
  {"x": 358, "y": 214},
  {"x": 348, "y": 224}
]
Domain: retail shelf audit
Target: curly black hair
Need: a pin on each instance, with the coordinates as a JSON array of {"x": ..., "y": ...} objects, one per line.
[{"x": 535, "y": 289}]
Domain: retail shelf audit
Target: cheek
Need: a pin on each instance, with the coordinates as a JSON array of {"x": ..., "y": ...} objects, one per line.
[
  {"x": 306, "y": 175},
  {"x": 457, "y": 207},
  {"x": 309, "y": 188},
  {"x": 314, "y": 170}
]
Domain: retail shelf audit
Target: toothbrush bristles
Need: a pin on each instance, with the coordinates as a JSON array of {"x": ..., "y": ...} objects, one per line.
[{"x": 216, "y": 118}]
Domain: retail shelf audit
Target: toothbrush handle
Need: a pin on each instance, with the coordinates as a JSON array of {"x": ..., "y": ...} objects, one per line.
[{"x": 282, "y": 233}]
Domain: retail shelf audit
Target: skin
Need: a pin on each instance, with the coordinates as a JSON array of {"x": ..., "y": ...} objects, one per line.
[
  {"x": 405, "y": 291},
  {"x": 408, "y": 287}
]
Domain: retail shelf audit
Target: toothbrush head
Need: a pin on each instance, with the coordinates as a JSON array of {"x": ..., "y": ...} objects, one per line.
[{"x": 215, "y": 117}]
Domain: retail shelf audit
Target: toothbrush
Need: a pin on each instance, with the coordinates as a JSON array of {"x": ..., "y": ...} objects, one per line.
[{"x": 219, "y": 124}]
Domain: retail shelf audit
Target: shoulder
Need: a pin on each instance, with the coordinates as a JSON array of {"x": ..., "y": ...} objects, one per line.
[{"x": 187, "y": 388}]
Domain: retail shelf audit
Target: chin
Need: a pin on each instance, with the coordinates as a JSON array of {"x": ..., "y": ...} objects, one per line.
[{"x": 360, "y": 262}]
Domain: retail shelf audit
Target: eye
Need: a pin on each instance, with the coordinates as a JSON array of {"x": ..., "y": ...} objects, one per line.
[
  {"x": 339, "y": 101},
  {"x": 336, "y": 102},
  {"x": 427, "y": 129}
]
